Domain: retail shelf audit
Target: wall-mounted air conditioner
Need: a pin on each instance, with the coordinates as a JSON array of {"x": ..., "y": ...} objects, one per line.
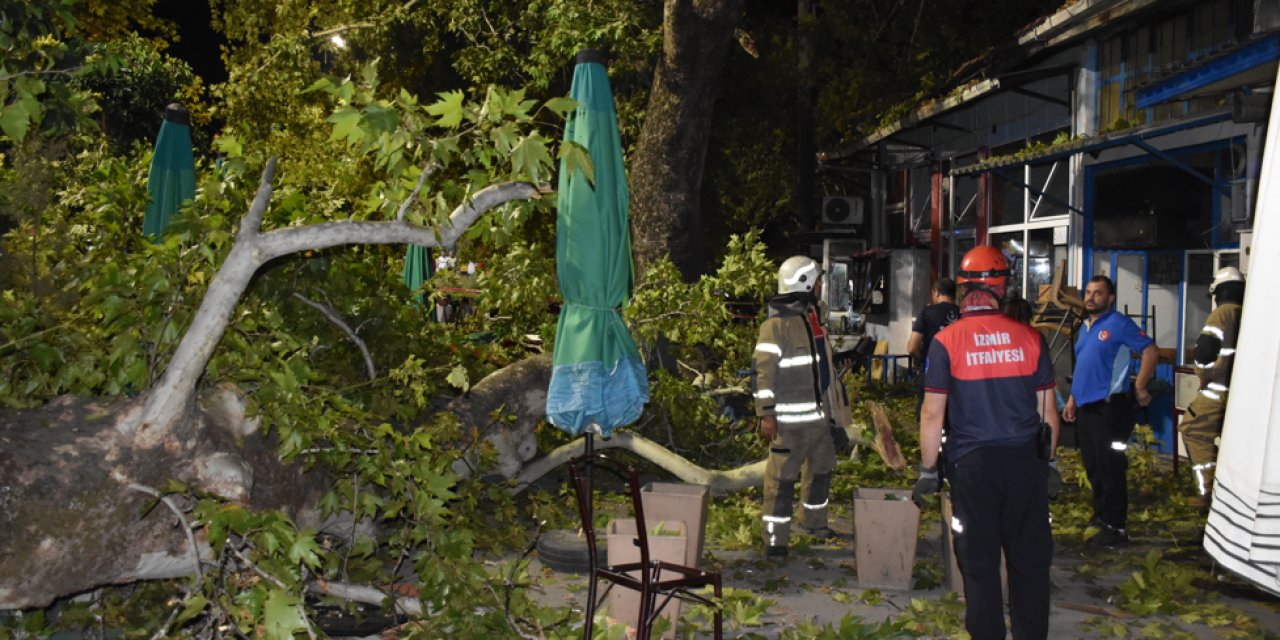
[{"x": 842, "y": 210}]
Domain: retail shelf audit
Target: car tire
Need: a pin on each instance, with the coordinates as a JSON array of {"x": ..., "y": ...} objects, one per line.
[{"x": 565, "y": 550}]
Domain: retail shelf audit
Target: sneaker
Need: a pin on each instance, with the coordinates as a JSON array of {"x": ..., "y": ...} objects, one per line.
[
  {"x": 822, "y": 533},
  {"x": 1109, "y": 537},
  {"x": 775, "y": 553}
]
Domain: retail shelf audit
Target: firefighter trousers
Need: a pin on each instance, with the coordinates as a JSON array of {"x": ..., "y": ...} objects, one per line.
[
  {"x": 1001, "y": 503},
  {"x": 1202, "y": 427},
  {"x": 797, "y": 451}
]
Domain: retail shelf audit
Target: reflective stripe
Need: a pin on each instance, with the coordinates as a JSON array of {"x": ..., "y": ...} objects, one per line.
[
  {"x": 778, "y": 519},
  {"x": 1215, "y": 332},
  {"x": 795, "y": 277},
  {"x": 1207, "y": 465},
  {"x": 1200, "y": 469},
  {"x": 1119, "y": 446},
  {"x": 1204, "y": 366},
  {"x": 815, "y": 506},
  {"x": 769, "y": 347},
  {"x": 799, "y": 417},
  {"x": 1216, "y": 386},
  {"x": 1226, "y": 353},
  {"x": 956, "y": 526},
  {"x": 1210, "y": 394},
  {"x": 795, "y": 361},
  {"x": 795, "y": 407},
  {"x": 763, "y": 394}
]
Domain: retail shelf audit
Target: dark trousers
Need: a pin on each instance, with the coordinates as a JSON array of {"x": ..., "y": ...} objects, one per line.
[
  {"x": 1001, "y": 503},
  {"x": 1103, "y": 429}
]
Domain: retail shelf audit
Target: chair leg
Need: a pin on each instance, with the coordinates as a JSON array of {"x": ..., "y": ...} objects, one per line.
[
  {"x": 644, "y": 622},
  {"x": 718, "y": 630},
  {"x": 591, "y": 607}
]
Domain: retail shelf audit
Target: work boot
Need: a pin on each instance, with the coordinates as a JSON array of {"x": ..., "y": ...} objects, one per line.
[
  {"x": 822, "y": 533},
  {"x": 775, "y": 553},
  {"x": 1109, "y": 537}
]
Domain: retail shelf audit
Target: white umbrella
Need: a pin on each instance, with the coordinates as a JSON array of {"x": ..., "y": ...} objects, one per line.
[{"x": 1243, "y": 532}]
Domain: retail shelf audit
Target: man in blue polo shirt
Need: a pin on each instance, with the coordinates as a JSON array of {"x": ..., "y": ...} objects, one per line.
[{"x": 1102, "y": 407}]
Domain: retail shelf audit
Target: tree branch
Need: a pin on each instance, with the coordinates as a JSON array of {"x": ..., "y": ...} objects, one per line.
[
  {"x": 719, "y": 482},
  {"x": 336, "y": 319},
  {"x": 251, "y": 225},
  {"x": 413, "y": 195},
  {"x": 367, "y": 595},
  {"x": 182, "y": 519},
  {"x": 280, "y": 242}
]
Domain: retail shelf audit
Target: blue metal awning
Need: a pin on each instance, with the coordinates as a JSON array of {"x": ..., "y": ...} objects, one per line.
[{"x": 1211, "y": 71}]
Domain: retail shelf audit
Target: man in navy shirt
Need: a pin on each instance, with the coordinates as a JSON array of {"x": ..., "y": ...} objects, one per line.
[
  {"x": 992, "y": 379},
  {"x": 1102, "y": 407}
]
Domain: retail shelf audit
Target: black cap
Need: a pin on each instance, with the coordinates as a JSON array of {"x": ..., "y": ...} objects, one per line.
[
  {"x": 176, "y": 114},
  {"x": 589, "y": 55}
]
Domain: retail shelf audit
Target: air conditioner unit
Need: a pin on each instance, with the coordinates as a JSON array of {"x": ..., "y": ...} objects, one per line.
[{"x": 842, "y": 210}]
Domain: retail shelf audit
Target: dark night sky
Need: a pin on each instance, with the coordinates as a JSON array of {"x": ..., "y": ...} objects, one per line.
[{"x": 199, "y": 43}]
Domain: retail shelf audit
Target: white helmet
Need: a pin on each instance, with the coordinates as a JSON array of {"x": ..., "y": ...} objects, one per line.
[
  {"x": 798, "y": 274},
  {"x": 1225, "y": 275}
]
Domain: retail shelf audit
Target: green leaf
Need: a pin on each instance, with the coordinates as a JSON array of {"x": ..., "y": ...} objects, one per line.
[
  {"x": 195, "y": 604},
  {"x": 577, "y": 158},
  {"x": 15, "y": 120},
  {"x": 530, "y": 156},
  {"x": 280, "y": 615},
  {"x": 380, "y": 119},
  {"x": 305, "y": 550},
  {"x": 344, "y": 124},
  {"x": 562, "y": 106},
  {"x": 322, "y": 83},
  {"x": 458, "y": 378},
  {"x": 447, "y": 110}
]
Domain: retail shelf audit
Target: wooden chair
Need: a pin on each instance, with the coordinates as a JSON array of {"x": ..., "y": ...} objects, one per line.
[
  {"x": 651, "y": 578},
  {"x": 1060, "y": 312}
]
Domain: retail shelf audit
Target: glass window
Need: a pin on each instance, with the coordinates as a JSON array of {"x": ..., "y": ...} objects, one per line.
[
  {"x": 1053, "y": 180},
  {"x": 1044, "y": 259},
  {"x": 1196, "y": 304},
  {"x": 1012, "y": 244}
]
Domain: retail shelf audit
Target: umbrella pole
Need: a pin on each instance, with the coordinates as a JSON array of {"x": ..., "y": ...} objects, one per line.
[{"x": 588, "y": 452}]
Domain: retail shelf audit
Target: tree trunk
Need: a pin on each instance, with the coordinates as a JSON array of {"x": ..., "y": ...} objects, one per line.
[{"x": 666, "y": 172}]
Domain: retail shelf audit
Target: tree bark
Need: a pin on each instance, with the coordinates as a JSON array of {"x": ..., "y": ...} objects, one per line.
[{"x": 666, "y": 174}]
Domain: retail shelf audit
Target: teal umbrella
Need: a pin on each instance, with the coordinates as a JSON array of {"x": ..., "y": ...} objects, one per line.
[
  {"x": 417, "y": 269},
  {"x": 598, "y": 381},
  {"x": 173, "y": 171}
]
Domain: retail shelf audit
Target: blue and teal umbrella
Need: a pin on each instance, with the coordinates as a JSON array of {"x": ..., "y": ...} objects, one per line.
[
  {"x": 598, "y": 380},
  {"x": 172, "y": 180}
]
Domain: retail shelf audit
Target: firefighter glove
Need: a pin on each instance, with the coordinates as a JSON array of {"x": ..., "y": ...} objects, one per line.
[
  {"x": 928, "y": 483},
  {"x": 1055, "y": 479},
  {"x": 840, "y": 439}
]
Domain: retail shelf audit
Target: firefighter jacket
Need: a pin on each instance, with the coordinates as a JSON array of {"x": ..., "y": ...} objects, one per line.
[
  {"x": 1215, "y": 350},
  {"x": 794, "y": 376}
]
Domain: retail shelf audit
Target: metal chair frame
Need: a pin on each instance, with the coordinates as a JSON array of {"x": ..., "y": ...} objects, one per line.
[{"x": 656, "y": 577}]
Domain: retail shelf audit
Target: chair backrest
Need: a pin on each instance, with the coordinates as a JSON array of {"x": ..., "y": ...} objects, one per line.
[{"x": 580, "y": 471}]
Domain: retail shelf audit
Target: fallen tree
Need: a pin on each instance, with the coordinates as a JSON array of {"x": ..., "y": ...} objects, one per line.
[{"x": 70, "y": 520}]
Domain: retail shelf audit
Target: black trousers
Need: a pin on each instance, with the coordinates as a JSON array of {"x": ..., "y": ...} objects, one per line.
[
  {"x": 1001, "y": 503},
  {"x": 1103, "y": 429}
]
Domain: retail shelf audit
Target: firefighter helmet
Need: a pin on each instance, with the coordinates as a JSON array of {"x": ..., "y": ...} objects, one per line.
[
  {"x": 798, "y": 274},
  {"x": 1224, "y": 275},
  {"x": 984, "y": 267}
]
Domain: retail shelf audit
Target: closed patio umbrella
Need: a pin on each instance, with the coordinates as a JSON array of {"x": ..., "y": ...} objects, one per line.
[
  {"x": 417, "y": 269},
  {"x": 173, "y": 171},
  {"x": 598, "y": 381}
]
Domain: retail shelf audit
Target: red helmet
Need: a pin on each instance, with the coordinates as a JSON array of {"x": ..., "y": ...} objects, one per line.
[{"x": 984, "y": 267}]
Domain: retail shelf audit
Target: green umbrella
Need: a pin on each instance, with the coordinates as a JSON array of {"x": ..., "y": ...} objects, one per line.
[
  {"x": 598, "y": 380},
  {"x": 417, "y": 269},
  {"x": 173, "y": 171}
]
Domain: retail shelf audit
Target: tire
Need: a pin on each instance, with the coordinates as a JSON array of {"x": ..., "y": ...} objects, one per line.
[{"x": 564, "y": 550}]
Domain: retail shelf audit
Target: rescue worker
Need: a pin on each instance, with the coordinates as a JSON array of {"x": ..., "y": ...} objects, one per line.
[
  {"x": 935, "y": 317},
  {"x": 1214, "y": 352},
  {"x": 1101, "y": 404},
  {"x": 799, "y": 400},
  {"x": 991, "y": 377}
]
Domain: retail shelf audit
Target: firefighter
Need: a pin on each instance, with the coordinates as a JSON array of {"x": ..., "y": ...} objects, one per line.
[
  {"x": 992, "y": 379},
  {"x": 800, "y": 401},
  {"x": 1214, "y": 352}
]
